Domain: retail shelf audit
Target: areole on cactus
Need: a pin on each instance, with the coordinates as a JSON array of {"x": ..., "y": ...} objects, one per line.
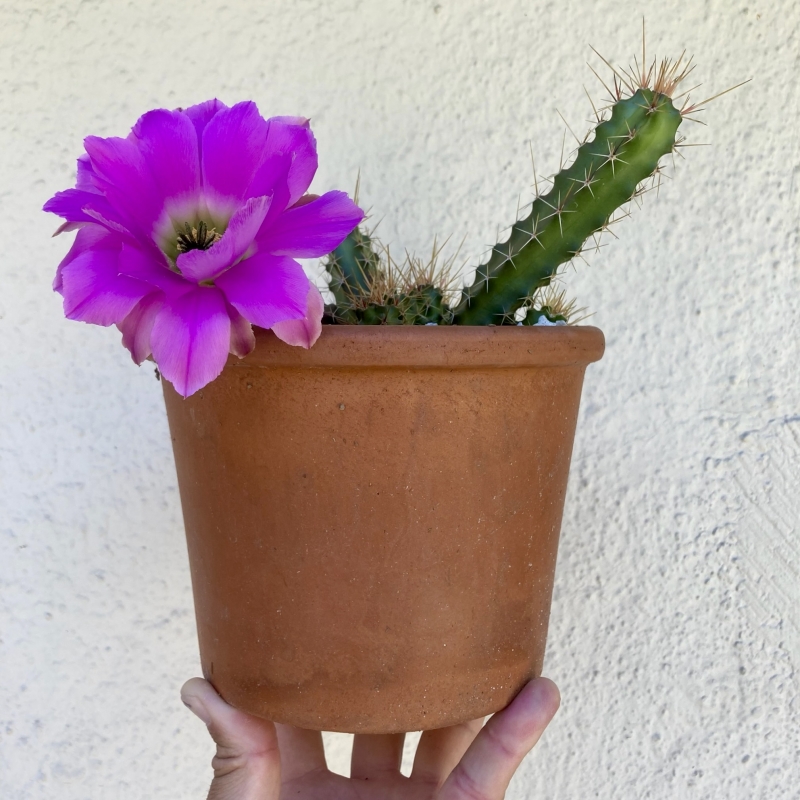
[{"x": 612, "y": 167}]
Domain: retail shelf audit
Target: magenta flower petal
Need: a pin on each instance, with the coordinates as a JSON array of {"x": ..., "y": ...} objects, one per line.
[
  {"x": 280, "y": 200},
  {"x": 89, "y": 237},
  {"x": 191, "y": 338},
  {"x": 313, "y": 229},
  {"x": 266, "y": 289},
  {"x": 86, "y": 179},
  {"x": 168, "y": 144},
  {"x": 287, "y": 134},
  {"x": 95, "y": 292},
  {"x": 139, "y": 264},
  {"x": 271, "y": 179},
  {"x": 75, "y": 205},
  {"x": 122, "y": 232},
  {"x": 243, "y": 340},
  {"x": 292, "y": 160},
  {"x": 126, "y": 181},
  {"x": 202, "y": 113},
  {"x": 201, "y": 265},
  {"x": 233, "y": 150},
  {"x": 137, "y": 326},
  {"x": 303, "y": 332}
]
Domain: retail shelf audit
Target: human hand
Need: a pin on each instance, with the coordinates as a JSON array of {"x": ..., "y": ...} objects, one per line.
[{"x": 259, "y": 760}]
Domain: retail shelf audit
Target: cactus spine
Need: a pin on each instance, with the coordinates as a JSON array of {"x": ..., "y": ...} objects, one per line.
[{"x": 604, "y": 176}]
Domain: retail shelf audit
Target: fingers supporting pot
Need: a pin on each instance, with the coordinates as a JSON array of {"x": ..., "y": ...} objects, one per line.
[
  {"x": 491, "y": 760},
  {"x": 302, "y": 752},
  {"x": 441, "y": 749}
]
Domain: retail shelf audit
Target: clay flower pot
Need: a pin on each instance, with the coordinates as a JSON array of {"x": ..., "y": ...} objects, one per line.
[{"x": 373, "y": 523}]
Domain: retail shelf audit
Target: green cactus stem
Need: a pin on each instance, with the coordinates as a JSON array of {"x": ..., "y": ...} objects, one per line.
[
  {"x": 353, "y": 266},
  {"x": 514, "y": 285},
  {"x": 371, "y": 288},
  {"x": 605, "y": 175}
]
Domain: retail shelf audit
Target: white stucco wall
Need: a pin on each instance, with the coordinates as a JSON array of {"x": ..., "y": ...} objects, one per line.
[{"x": 675, "y": 635}]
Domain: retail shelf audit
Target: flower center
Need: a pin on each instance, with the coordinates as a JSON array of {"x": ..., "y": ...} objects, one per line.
[{"x": 199, "y": 238}]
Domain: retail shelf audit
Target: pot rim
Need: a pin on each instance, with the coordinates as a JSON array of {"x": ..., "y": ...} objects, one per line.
[{"x": 382, "y": 346}]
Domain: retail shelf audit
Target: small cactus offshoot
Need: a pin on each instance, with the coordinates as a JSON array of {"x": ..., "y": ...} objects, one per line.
[
  {"x": 549, "y": 305},
  {"x": 371, "y": 288},
  {"x": 617, "y": 162}
]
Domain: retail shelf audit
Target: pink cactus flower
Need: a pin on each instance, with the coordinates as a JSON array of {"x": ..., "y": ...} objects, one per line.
[{"x": 188, "y": 231}]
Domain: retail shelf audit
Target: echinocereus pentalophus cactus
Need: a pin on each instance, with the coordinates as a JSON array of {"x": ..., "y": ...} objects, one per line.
[
  {"x": 611, "y": 168},
  {"x": 624, "y": 152},
  {"x": 353, "y": 268},
  {"x": 370, "y": 288}
]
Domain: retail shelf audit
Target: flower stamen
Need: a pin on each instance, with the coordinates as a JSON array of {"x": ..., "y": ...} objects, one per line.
[{"x": 199, "y": 238}]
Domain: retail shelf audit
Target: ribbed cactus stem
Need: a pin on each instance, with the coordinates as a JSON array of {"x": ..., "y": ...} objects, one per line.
[
  {"x": 353, "y": 267},
  {"x": 605, "y": 175}
]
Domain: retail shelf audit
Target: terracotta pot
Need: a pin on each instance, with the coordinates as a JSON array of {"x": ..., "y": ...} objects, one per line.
[{"x": 372, "y": 524}]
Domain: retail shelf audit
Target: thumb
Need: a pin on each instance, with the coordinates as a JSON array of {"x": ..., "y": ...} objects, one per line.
[{"x": 247, "y": 764}]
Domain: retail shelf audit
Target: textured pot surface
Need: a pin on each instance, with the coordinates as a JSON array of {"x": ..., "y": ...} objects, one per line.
[{"x": 373, "y": 524}]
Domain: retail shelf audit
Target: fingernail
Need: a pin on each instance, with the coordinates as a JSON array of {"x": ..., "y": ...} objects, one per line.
[
  {"x": 196, "y": 707},
  {"x": 545, "y": 693}
]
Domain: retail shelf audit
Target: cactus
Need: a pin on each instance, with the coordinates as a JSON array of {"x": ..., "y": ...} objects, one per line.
[
  {"x": 371, "y": 288},
  {"x": 609, "y": 170},
  {"x": 624, "y": 152},
  {"x": 418, "y": 305},
  {"x": 550, "y": 306},
  {"x": 353, "y": 267}
]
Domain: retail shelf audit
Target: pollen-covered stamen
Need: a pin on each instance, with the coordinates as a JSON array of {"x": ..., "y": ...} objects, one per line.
[{"x": 199, "y": 238}]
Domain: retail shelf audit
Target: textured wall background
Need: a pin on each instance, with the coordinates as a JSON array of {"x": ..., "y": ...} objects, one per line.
[{"x": 675, "y": 635}]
